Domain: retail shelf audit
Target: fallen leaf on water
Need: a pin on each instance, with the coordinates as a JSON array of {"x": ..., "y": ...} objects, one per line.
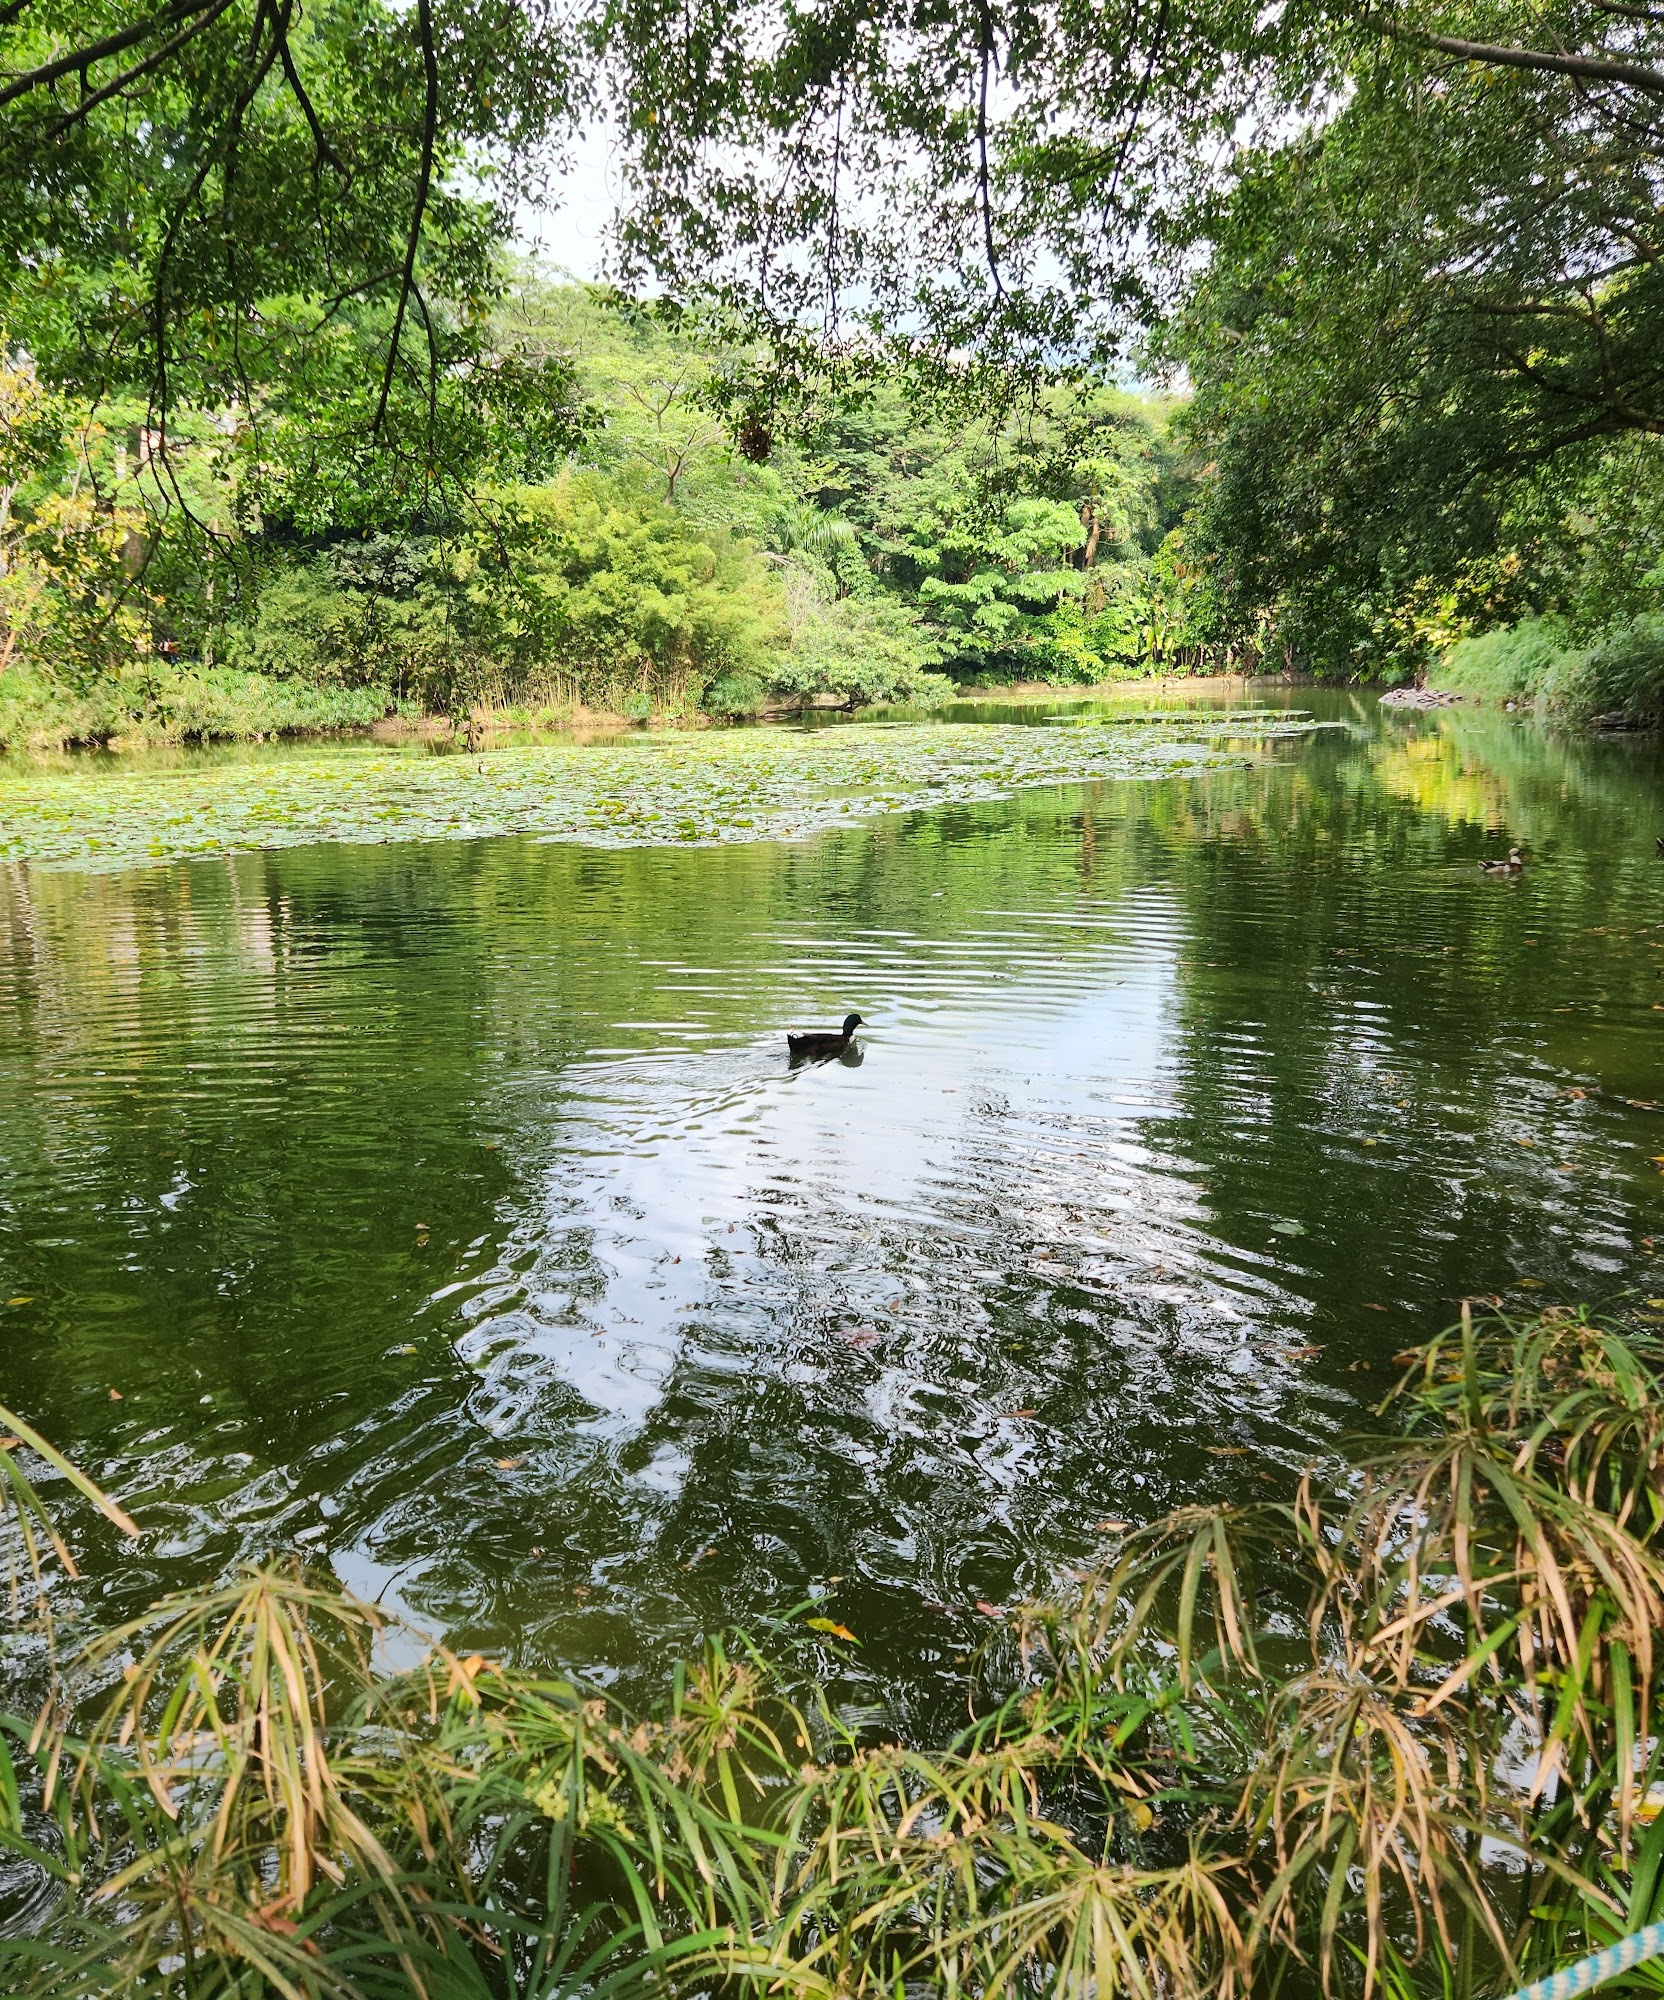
[
  {"x": 115, "y": 1395},
  {"x": 509, "y": 1464},
  {"x": 1299, "y": 1353},
  {"x": 1370, "y": 1306},
  {"x": 989, "y": 1610},
  {"x": 20, "y": 1302},
  {"x": 466, "y": 1672},
  {"x": 831, "y": 1625},
  {"x": 1108, "y": 1527},
  {"x": 1019, "y": 1413},
  {"x": 10, "y": 1443},
  {"x": 1229, "y": 1450}
]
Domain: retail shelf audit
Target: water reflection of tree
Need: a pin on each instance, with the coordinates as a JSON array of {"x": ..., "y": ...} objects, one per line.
[
  {"x": 330, "y": 1045},
  {"x": 1397, "y": 1085}
]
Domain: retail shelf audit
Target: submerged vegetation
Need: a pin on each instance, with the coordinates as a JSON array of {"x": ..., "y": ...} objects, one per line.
[{"x": 1393, "y": 1731}]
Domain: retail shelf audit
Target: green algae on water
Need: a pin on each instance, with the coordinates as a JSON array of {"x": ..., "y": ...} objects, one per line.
[{"x": 697, "y": 789}]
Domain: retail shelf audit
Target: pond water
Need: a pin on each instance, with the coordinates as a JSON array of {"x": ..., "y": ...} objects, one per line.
[{"x": 449, "y": 1209}]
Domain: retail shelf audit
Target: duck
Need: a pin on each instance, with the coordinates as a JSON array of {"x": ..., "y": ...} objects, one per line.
[
  {"x": 824, "y": 1041},
  {"x": 1512, "y": 866}
]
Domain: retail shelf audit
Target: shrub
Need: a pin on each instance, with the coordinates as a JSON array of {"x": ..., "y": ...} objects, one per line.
[
  {"x": 152, "y": 701},
  {"x": 735, "y": 695},
  {"x": 859, "y": 649},
  {"x": 613, "y": 600},
  {"x": 1624, "y": 672}
]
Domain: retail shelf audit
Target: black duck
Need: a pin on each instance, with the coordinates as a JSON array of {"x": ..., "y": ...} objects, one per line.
[{"x": 824, "y": 1041}]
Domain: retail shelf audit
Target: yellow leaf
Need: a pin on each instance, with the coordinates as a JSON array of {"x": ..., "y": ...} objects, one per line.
[{"x": 831, "y": 1625}]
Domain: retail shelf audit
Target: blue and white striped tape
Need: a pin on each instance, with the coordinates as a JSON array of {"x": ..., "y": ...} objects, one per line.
[{"x": 1597, "y": 1968}]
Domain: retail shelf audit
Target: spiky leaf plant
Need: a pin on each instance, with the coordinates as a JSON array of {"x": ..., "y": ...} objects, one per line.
[{"x": 1392, "y": 1736}]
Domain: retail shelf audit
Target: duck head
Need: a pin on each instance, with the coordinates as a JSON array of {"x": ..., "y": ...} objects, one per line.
[{"x": 852, "y": 1022}]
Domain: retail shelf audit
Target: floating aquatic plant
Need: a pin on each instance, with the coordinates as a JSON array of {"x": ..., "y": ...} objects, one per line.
[{"x": 690, "y": 789}]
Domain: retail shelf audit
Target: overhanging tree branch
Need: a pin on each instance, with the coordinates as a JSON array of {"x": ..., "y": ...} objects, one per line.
[
  {"x": 151, "y": 62},
  {"x": 94, "y": 52},
  {"x": 1586, "y": 68},
  {"x": 424, "y": 183}
]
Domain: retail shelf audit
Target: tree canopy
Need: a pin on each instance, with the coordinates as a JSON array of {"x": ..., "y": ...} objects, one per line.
[{"x": 1405, "y": 259}]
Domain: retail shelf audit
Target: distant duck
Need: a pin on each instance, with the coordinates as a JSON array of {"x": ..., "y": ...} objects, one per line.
[
  {"x": 824, "y": 1041},
  {"x": 1512, "y": 866}
]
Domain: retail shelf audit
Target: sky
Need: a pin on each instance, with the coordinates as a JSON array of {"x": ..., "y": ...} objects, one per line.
[{"x": 567, "y": 232}]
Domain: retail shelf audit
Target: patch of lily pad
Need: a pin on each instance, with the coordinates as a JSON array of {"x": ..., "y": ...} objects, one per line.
[{"x": 695, "y": 789}]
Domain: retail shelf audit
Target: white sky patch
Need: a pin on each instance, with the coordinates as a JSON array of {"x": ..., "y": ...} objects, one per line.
[{"x": 569, "y": 229}]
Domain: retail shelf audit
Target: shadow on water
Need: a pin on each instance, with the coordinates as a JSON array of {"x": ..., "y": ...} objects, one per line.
[{"x": 451, "y": 1210}]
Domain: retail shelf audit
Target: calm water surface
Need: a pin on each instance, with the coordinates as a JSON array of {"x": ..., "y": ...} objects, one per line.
[{"x": 450, "y": 1210}]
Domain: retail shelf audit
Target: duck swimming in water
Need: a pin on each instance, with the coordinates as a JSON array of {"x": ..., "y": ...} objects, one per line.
[
  {"x": 824, "y": 1041},
  {"x": 1512, "y": 866}
]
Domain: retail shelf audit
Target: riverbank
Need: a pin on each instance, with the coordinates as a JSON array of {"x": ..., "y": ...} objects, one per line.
[{"x": 158, "y": 704}]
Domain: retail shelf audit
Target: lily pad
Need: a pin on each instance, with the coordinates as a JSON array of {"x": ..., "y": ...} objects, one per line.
[{"x": 700, "y": 788}]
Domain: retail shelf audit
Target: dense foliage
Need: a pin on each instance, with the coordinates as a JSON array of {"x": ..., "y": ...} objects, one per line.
[
  {"x": 1393, "y": 1731},
  {"x": 652, "y": 568},
  {"x": 1405, "y": 259}
]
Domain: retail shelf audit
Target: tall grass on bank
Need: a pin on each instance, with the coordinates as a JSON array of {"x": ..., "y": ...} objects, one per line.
[
  {"x": 1391, "y": 1734},
  {"x": 1536, "y": 664},
  {"x": 158, "y": 702}
]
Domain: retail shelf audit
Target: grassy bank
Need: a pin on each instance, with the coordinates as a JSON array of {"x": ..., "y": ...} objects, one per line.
[
  {"x": 1389, "y": 1732},
  {"x": 155, "y": 702},
  {"x": 1538, "y": 664}
]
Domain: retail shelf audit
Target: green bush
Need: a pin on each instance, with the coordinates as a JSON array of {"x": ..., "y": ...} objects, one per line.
[
  {"x": 858, "y": 649},
  {"x": 614, "y": 596},
  {"x": 735, "y": 695},
  {"x": 1624, "y": 672}
]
